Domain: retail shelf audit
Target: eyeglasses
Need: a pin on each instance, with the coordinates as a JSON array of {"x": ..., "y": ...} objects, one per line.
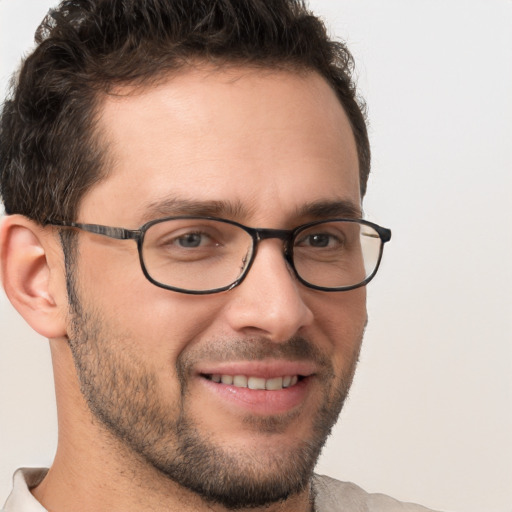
[{"x": 201, "y": 255}]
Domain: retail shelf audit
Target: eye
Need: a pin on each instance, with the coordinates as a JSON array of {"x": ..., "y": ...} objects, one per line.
[
  {"x": 320, "y": 241},
  {"x": 193, "y": 240}
]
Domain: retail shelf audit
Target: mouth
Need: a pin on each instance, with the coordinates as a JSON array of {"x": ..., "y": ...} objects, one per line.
[
  {"x": 254, "y": 382},
  {"x": 259, "y": 387}
]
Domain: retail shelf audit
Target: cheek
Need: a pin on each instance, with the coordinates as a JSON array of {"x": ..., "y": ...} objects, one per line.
[
  {"x": 156, "y": 323},
  {"x": 341, "y": 317}
]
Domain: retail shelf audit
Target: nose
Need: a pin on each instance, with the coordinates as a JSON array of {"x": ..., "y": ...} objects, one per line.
[{"x": 269, "y": 301}]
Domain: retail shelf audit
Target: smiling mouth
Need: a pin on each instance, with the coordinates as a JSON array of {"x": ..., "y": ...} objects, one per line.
[{"x": 250, "y": 382}]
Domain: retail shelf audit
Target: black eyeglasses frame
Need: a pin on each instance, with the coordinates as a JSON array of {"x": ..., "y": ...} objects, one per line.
[{"x": 257, "y": 235}]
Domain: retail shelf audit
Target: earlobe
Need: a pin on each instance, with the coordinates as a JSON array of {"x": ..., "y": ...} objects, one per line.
[{"x": 27, "y": 256}]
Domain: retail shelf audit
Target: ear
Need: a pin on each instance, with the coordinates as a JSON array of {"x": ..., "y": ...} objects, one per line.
[{"x": 33, "y": 274}]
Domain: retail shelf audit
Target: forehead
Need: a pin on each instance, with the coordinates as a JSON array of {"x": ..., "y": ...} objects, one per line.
[{"x": 265, "y": 142}]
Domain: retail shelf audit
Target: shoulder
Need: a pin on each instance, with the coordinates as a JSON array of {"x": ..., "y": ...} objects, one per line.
[
  {"x": 20, "y": 499},
  {"x": 333, "y": 495}
]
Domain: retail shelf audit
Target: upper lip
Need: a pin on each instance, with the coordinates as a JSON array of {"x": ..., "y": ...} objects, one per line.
[{"x": 266, "y": 369}]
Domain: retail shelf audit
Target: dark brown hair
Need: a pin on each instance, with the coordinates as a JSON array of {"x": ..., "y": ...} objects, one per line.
[{"x": 50, "y": 150}]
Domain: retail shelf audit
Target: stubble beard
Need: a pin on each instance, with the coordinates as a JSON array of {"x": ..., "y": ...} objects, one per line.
[{"x": 125, "y": 398}]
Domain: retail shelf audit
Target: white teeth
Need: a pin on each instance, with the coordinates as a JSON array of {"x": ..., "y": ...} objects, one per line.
[
  {"x": 273, "y": 384},
  {"x": 256, "y": 383},
  {"x": 227, "y": 379},
  {"x": 242, "y": 381}
]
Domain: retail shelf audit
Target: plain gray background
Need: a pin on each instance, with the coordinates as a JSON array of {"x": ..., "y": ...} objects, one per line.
[{"x": 430, "y": 414}]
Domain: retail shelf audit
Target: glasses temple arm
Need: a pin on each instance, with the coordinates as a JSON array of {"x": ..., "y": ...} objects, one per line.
[{"x": 98, "y": 229}]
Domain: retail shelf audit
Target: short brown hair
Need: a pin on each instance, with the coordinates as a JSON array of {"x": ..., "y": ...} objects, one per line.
[{"x": 50, "y": 151}]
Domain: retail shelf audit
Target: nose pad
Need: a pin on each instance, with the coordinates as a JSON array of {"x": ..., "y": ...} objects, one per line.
[{"x": 269, "y": 302}]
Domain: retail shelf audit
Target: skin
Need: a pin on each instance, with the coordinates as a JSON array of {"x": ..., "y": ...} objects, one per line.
[{"x": 270, "y": 143}]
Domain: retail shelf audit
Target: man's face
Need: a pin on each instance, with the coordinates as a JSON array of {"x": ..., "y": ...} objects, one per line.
[{"x": 267, "y": 149}]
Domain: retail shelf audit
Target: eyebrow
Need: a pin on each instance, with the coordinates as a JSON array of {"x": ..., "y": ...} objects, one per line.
[
  {"x": 235, "y": 210},
  {"x": 328, "y": 209},
  {"x": 178, "y": 206}
]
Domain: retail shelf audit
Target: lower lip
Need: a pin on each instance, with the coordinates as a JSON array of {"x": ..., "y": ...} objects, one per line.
[{"x": 260, "y": 401}]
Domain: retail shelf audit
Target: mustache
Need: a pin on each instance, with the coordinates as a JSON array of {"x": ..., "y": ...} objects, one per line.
[{"x": 297, "y": 348}]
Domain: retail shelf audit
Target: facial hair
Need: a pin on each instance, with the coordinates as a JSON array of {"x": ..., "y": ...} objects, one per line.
[{"x": 124, "y": 396}]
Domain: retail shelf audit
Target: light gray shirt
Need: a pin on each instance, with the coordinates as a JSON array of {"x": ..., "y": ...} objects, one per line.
[{"x": 331, "y": 496}]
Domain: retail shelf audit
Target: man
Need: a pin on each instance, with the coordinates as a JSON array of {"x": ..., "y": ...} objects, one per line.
[{"x": 183, "y": 184}]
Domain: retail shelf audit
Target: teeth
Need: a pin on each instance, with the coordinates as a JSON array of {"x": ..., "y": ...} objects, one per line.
[
  {"x": 256, "y": 383},
  {"x": 226, "y": 379},
  {"x": 242, "y": 381},
  {"x": 273, "y": 384}
]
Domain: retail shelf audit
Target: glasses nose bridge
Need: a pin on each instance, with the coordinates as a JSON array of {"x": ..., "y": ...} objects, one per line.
[{"x": 285, "y": 235}]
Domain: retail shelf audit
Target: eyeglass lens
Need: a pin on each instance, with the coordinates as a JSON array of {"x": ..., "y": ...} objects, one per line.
[{"x": 202, "y": 254}]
